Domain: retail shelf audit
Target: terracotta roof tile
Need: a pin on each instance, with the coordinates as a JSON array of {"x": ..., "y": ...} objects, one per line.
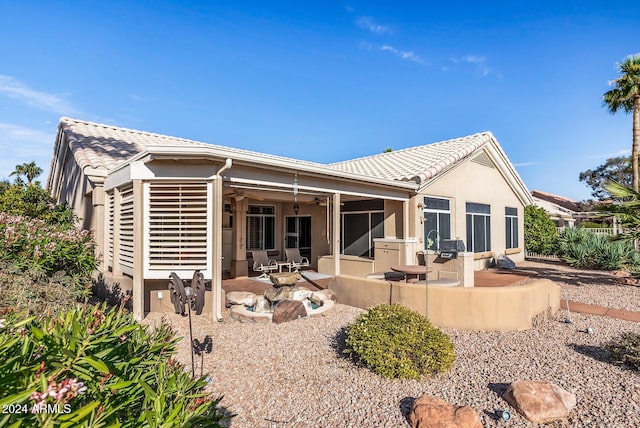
[
  {"x": 419, "y": 163},
  {"x": 103, "y": 146}
]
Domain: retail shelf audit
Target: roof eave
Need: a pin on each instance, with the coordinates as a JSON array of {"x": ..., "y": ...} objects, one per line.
[{"x": 173, "y": 152}]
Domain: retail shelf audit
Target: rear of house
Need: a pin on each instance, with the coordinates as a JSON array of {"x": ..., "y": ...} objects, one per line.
[{"x": 158, "y": 204}]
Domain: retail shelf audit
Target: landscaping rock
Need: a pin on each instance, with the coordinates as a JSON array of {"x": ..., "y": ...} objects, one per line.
[
  {"x": 276, "y": 294},
  {"x": 299, "y": 293},
  {"x": 288, "y": 310},
  {"x": 245, "y": 298},
  {"x": 540, "y": 401},
  {"x": 287, "y": 278},
  {"x": 262, "y": 305},
  {"x": 432, "y": 412},
  {"x": 318, "y": 297}
]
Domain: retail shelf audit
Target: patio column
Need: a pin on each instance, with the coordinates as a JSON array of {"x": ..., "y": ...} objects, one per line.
[
  {"x": 239, "y": 265},
  {"x": 216, "y": 280},
  {"x": 405, "y": 219},
  {"x": 336, "y": 234},
  {"x": 138, "y": 251},
  {"x": 98, "y": 225}
]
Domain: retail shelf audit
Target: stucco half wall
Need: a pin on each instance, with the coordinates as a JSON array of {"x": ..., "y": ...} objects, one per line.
[{"x": 518, "y": 307}]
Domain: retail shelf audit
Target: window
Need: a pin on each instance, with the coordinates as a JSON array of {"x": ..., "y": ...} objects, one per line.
[
  {"x": 362, "y": 221},
  {"x": 478, "y": 227},
  {"x": 511, "y": 224},
  {"x": 437, "y": 221},
  {"x": 261, "y": 227}
]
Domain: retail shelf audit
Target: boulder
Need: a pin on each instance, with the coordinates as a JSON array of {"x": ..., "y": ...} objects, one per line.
[
  {"x": 432, "y": 412},
  {"x": 286, "y": 278},
  {"x": 262, "y": 305},
  {"x": 245, "y": 298},
  {"x": 540, "y": 401},
  {"x": 318, "y": 297},
  {"x": 276, "y": 294},
  {"x": 299, "y": 293},
  {"x": 288, "y": 310}
]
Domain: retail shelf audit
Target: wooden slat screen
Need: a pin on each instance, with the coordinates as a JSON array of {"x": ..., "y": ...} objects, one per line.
[
  {"x": 177, "y": 227},
  {"x": 125, "y": 241},
  {"x": 110, "y": 228}
]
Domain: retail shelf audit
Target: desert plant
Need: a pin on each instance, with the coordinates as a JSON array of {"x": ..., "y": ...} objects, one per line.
[
  {"x": 584, "y": 249},
  {"x": 625, "y": 349},
  {"x": 540, "y": 234},
  {"x": 395, "y": 341},
  {"x": 96, "y": 367}
]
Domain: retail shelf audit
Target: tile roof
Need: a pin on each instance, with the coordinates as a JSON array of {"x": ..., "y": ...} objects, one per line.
[
  {"x": 562, "y": 201},
  {"x": 419, "y": 163},
  {"x": 105, "y": 147}
]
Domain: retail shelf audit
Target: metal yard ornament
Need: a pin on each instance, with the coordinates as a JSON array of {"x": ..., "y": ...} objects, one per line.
[{"x": 191, "y": 296}]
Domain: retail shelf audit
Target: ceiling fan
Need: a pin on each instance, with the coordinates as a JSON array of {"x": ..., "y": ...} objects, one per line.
[
  {"x": 321, "y": 202},
  {"x": 239, "y": 195}
]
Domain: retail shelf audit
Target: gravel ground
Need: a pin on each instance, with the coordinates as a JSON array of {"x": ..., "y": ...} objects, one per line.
[{"x": 293, "y": 374}]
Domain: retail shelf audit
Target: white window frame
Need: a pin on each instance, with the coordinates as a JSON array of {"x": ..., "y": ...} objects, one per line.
[
  {"x": 511, "y": 222},
  {"x": 262, "y": 216},
  {"x": 427, "y": 232},
  {"x": 471, "y": 245}
]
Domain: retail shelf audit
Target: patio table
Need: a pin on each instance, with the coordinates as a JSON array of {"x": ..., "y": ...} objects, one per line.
[
  {"x": 283, "y": 265},
  {"x": 413, "y": 270}
]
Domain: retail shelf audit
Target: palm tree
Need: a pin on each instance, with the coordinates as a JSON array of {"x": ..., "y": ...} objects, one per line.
[
  {"x": 626, "y": 96},
  {"x": 29, "y": 170}
]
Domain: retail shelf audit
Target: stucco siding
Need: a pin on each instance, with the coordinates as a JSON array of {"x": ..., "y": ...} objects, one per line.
[{"x": 477, "y": 183}]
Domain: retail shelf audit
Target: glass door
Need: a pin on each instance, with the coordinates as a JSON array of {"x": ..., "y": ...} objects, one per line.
[{"x": 298, "y": 234}]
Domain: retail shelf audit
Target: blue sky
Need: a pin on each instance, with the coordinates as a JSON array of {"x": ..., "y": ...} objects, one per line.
[{"x": 324, "y": 81}]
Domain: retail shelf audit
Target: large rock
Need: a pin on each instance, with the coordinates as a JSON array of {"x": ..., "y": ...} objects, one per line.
[
  {"x": 432, "y": 412},
  {"x": 285, "y": 278},
  {"x": 288, "y": 310},
  {"x": 540, "y": 401},
  {"x": 318, "y": 297},
  {"x": 299, "y": 293},
  {"x": 276, "y": 294},
  {"x": 245, "y": 298},
  {"x": 262, "y": 305}
]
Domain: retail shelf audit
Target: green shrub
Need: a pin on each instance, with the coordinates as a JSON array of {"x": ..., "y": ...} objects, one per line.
[
  {"x": 540, "y": 234},
  {"x": 581, "y": 248},
  {"x": 36, "y": 292},
  {"x": 395, "y": 341},
  {"x": 626, "y": 350},
  {"x": 35, "y": 202},
  {"x": 32, "y": 243},
  {"x": 101, "y": 369}
]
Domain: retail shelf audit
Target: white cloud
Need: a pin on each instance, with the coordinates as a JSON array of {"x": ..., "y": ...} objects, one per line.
[
  {"x": 405, "y": 55},
  {"x": 625, "y": 152},
  {"x": 525, "y": 164},
  {"x": 18, "y": 90},
  {"x": 368, "y": 23},
  {"x": 482, "y": 69},
  {"x": 20, "y": 145}
]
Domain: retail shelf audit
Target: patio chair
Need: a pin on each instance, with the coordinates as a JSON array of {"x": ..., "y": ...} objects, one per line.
[
  {"x": 295, "y": 259},
  {"x": 262, "y": 263}
]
